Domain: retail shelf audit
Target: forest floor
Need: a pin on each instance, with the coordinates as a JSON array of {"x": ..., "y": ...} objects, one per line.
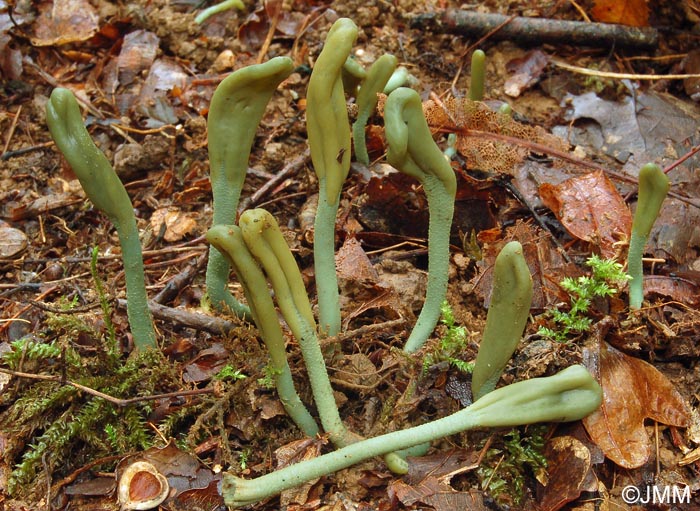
[{"x": 559, "y": 176}]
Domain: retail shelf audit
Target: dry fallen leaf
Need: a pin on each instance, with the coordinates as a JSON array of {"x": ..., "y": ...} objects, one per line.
[
  {"x": 568, "y": 464},
  {"x": 65, "y": 21},
  {"x": 634, "y": 13},
  {"x": 14, "y": 241},
  {"x": 177, "y": 223},
  {"x": 633, "y": 390},
  {"x": 591, "y": 209},
  {"x": 428, "y": 481}
]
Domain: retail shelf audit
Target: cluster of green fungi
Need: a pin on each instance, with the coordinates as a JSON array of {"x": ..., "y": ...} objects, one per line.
[{"x": 256, "y": 251}]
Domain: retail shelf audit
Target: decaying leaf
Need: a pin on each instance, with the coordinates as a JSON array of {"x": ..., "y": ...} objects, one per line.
[
  {"x": 14, "y": 240},
  {"x": 633, "y": 390},
  {"x": 428, "y": 482},
  {"x": 524, "y": 72},
  {"x": 568, "y": 467},
  {"x": 206, "y": 364},
  {"x": 676, "y": 287},
  {"x": 488, "y": 140},
  {"x": 634, "y": 13},
  {"x": 295, "y": 452},
  {"x": 65, "y": 21},
  {"x": 360, "y": 281},
  {"x": 177, "y": 223},
  {"x": 591, "y": 209}
]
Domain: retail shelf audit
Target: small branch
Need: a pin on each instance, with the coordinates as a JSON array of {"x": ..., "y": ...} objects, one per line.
[
  {"x": 188, "y": 319},
  {"x": 288, "y": 171},
  {"x": 181, "y": 280},
  {"x": 619, "y": 76},
  {"x": 536, "y": 30},
  {"x": 114, "y": 400}
]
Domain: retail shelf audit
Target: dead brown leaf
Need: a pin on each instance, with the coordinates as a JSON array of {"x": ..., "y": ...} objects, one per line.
[
  {"x": 14, "y": 240},
  {"x": 295, "y": 452},
  {"x": 524, "y": 72},
  {"x": 177, "y": 224},
  {"x": 632, "y": 391},
  {"x": 591, "y": 209},
  {"x": 488, "y": 140},
  {"x": 65, "y": 21},
  {"x": 634, "y": 13},
  {"x": 568, "y": 464},
  {"x": 428, "y": 482}
]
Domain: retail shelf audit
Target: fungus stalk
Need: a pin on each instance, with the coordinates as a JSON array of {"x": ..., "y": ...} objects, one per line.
[
  {"x": 478, "y": 72},
  {"x": 413, "y": 151},
  {"x": 229, "y": 241},
  {"x": 569, "y": 395},
  {"x": 265, "y": 241},
  {"x": 508, "y": 312},
  {"x": 103, "y": 187},
  {"x": 329, "y": 143},
  {"x": 235, "y": 112},
  {"x": 377, "y": 78},
  {"x": 217, "y": 8},
  {"x": 653, "y": 187}
]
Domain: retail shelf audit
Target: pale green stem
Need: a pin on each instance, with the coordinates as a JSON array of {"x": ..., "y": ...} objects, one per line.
[
  {"x": 235, "y": 112},
  {"x": 265, "y": 241},
  {"x": 478, "y": 70},
  {"x": 217, "y": 8},
  {"x": 229, "y": 241},
  {"x": 567, "y": 396},
  {"x": 413, "y": 151},
  {"x": 509, "y": 309},
  {"x": 329, "y": 143},
  {"x": 103, "y": 187},
  {"x": 653, "y": 187},
  {"x": 352, "y": 74},
  {"x": 377, "y": 78},
  {"x": 324, "y": 264}
]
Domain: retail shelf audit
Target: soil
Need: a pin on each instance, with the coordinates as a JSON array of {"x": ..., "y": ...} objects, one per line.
[{"x": 150, "y": 121}]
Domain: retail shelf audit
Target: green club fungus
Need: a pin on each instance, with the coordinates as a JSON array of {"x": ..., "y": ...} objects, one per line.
[
  {"x": 229, "y": 241},
  {"x": 217, "y": 8},
  {"x": 476, "y": 88},
  {"x": 569, "y": 395},
  {"x": 266, "y": 242},
  {"x": 377, "y": 78},
  {"x": 329, "y": 142},
  {"x": 413, "y": 151},
  {"x": 236, "y": 109},
  {"x": 103, "y": 187},
  {"x": 653, "y": 187},
  {"x": 508, "y": 312}
]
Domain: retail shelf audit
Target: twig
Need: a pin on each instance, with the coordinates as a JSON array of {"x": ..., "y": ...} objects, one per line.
[
  {"x": 24, "y": 150},
  {"x": 179, "y": 281},
  {"x": 619, "y": 76},
  {"x": 537, "y": 30},
  {"x": 114, "y": 400},
  {"x": 289, "y": 170},
  {"x": 680, "y": 160},
  {"x": 57, "y": 310},
  {"x": 13, "y": 126},
  {"x": 188, "y": 319}
]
